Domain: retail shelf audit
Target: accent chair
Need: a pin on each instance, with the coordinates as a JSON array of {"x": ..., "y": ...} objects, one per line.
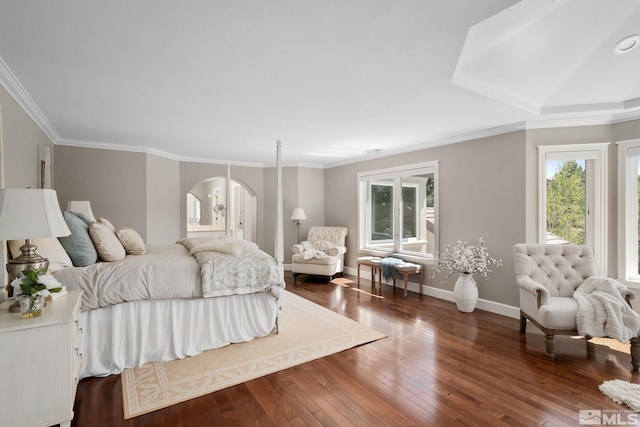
[
  {"x": 330, "y": 265},
  {"x": 547, "y": 276}
]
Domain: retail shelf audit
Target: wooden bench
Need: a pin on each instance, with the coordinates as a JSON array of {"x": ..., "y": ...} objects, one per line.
[
  {"x": 405, "y": 269},
  {"x": 374, "y": 263}
]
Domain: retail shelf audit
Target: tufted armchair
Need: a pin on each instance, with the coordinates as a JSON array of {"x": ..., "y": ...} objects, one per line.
[
  {"x": 329, "y": 265},
  {"x": 547, "y": 276}
]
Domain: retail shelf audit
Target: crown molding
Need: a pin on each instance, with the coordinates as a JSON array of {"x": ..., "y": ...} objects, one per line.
[
  {"x": 483, "y": 133},
  {"x": 148, "y": 150},
  {"x": 12, "y": 85}
]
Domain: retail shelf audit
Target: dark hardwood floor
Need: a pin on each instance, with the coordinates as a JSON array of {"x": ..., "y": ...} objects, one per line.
[{"x": 438, "y": 366}]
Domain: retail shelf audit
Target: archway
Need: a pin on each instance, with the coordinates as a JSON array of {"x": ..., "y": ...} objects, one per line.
[{"x": 211, "y": 213}]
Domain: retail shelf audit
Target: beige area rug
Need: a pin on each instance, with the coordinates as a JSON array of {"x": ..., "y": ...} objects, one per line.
[{"x": 307, "y": 332}]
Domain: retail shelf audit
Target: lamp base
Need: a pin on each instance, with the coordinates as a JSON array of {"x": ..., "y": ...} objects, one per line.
[
  {"x": 15, "y": 269},
  {"x": 27, "y": 260}
]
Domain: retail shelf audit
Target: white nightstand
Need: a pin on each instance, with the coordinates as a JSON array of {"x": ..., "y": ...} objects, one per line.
[{"x": 40, "y": 362}]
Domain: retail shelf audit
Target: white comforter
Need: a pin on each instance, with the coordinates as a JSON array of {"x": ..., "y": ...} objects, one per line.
[
  {"x": 171, "y": 272},
  {"x": 232, "y": 266},
  {"x": 603, "y": 311}
]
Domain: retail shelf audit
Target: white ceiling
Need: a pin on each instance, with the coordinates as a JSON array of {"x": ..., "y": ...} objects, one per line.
[{"x": 335, "y": 81}]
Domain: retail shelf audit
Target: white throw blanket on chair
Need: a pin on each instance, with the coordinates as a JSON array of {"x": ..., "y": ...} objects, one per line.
[
  {"x": 310, "y": 251},
  {"x": 603, "y": 311}
]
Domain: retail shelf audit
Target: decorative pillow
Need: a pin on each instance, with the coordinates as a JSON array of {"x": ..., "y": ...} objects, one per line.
[
  {"x": 78, "y": 244},
  {"x": 48, "y": 247},
  {"x": 106, "y": 222},
  {"x": 326, "y": 247},
  {"x": 83, "y": 217},
  {"x": 106, "y": 242},
  {"x": 131, "y": 240}
]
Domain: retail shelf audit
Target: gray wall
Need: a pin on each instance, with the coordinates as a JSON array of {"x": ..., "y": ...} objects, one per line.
[
  {"x": 22, "y": 140},
  {"x": 481, "y": 195},
  {"x": 304, "y": 188},
  {"x": 115, "y": 182},
  {"x": 163, "y": 201}
]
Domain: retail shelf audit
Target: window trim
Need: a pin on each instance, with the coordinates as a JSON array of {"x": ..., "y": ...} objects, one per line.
[
  {"x": 363, "y": 178},
  {"x": 598, "y": 222},
  {"x": 625, "y": 254}
]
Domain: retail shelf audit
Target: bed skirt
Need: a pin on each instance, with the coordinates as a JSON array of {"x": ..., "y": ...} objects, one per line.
[{"x": 130, "y": 334}]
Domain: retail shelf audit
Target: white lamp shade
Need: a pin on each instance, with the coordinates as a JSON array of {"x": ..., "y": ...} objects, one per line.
[
  {"x": 30, "y": 214},
  {"x": 81, "y": 206},
  {"x": 298, "y": 215}
]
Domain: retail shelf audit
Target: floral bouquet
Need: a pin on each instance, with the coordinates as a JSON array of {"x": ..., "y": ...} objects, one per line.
[
  {"x": 466, "y": 259},
  {"x": 35, "y": 283}
]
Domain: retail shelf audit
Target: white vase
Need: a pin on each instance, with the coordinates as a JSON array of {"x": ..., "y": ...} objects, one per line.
[{"x": 465, "y": 293}]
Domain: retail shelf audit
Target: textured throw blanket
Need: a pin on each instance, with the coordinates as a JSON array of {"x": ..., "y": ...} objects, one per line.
[
  {"x": 390, "y": 267},
  {"x": 232, "y": 266},
  {"x": 310, "y": 251},
  {"x": 603, "y": 311}
]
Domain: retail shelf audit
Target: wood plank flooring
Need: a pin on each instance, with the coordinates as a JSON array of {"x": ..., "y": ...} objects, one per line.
[{"x": 437, "y": 367}]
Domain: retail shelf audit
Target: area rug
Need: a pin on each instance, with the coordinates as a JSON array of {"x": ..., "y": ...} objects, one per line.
[
  {"x": 307, "y": 332},
  {"x": 622, "y": 392}
]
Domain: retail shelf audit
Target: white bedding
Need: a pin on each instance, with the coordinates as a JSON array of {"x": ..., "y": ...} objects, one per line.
[
  {"x": 151, "y": 307},
  {"x": 131, "y": 334},
  {"x": 165, "y": 272}
]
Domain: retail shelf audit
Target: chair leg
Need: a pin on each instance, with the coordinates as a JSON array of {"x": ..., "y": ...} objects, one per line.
[
  {"x": 550, "y": 343},
  {"x": 635, "y": 353},
  {"x": 295, "y": 277},
  {"x": 523, "y": 323}
]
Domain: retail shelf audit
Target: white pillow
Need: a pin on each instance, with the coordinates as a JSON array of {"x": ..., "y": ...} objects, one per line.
[
  {"x": 106, "y": 222},
  {"x": 48, "y": 247},
  {"x": 131, "y": 240},
  {"x": 106, "y": 242}
]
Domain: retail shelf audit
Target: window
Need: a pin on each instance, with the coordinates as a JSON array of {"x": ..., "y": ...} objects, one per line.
[
  {"x": 629, "y": 214},
  {"x": 573, "y": 197},
  {"x": 398, "y": 210}
]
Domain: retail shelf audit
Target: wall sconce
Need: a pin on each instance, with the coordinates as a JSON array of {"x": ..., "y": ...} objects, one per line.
[{"x": 298, "y": 215}]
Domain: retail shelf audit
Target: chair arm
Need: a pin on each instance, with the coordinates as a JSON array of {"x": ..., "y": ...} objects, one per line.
[
  {"x": 297, "y": 248},
  {"x": 535, "y": 288},
  {"x": 340, "y": 250}
]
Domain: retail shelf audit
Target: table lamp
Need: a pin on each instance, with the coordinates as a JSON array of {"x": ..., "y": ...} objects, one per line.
[
  {"x": 29, "y": 214},
  {"x": 298, "y": 215}
]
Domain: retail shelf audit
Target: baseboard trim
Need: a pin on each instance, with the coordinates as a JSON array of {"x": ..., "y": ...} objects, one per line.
[{"x": 483, "y": 304}]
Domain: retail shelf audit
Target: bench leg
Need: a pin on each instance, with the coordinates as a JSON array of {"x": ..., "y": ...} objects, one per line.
[{"x": 405, "y": 285}]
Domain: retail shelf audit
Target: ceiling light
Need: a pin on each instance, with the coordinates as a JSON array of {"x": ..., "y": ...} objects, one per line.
[{"x": 627, "y": 44}]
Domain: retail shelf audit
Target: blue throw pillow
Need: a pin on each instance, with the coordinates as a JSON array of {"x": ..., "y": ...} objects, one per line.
[
  {"x": 83, "y": 217},
  {"x": 78, "y": 244}
]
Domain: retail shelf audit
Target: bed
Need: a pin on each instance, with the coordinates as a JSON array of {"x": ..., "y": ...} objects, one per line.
[{"x": 173, "y": 301}]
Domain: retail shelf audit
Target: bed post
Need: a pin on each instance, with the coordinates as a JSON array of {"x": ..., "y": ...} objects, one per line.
[{"x": 279, "y": 228}]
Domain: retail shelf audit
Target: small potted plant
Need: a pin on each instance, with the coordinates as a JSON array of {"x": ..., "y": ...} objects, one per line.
[
  {"x": 465, "y": 260},
  {"x": 31, "y": 290}
]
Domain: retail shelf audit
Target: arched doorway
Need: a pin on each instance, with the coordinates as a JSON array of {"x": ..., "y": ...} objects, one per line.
[{"x": 211, "y": 213}]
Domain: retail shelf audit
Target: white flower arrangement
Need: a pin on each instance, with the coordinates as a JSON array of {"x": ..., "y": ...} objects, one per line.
[
  {"x": 465, "y": 259},
  {"x": 35, "y": 282}
]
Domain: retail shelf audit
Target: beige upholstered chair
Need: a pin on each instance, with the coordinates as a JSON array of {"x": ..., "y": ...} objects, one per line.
[
  {"x": 329, "y": 265},
  {"x": 547, "y": 276}
]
